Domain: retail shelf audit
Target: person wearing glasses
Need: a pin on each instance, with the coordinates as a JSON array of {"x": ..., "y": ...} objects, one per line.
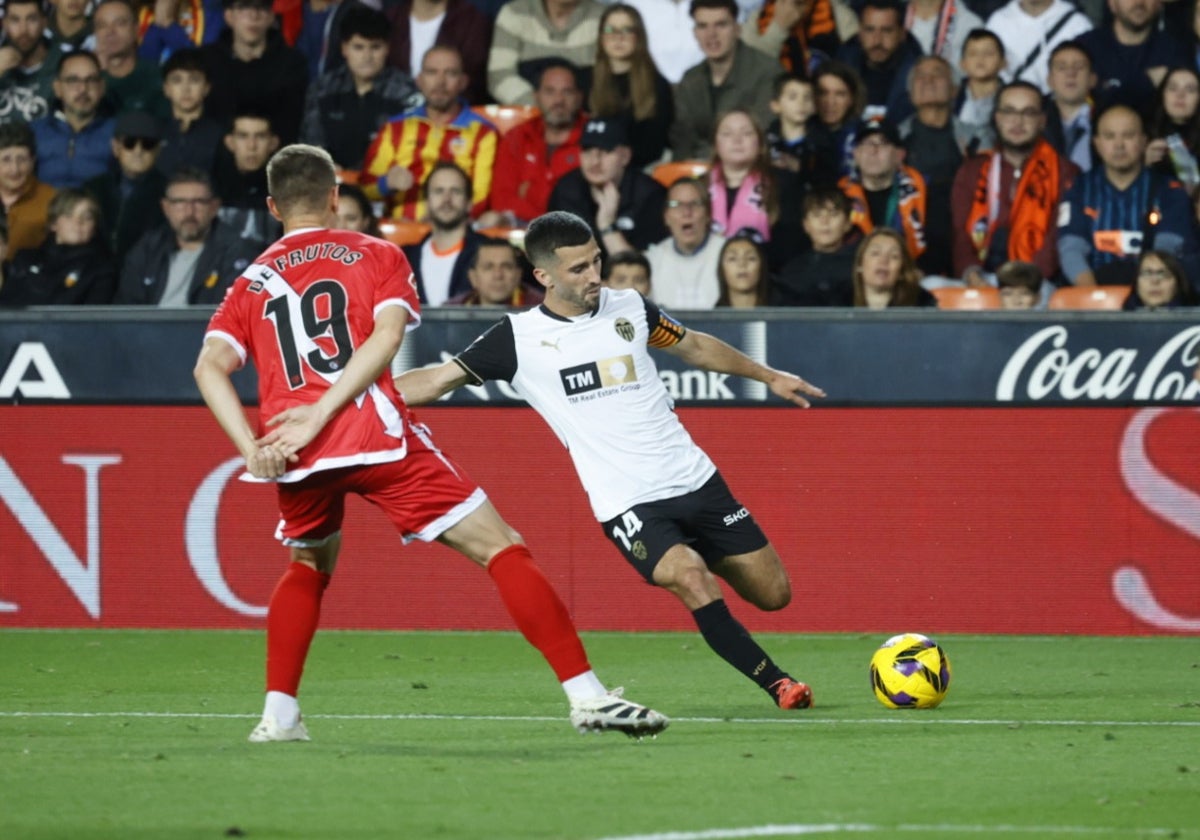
[
  {"x": 130, "y": 192},
  {"x": 75, "y": 142},
  {"x": 684, "y": 264},
  {"x": 190, "y": 260},
  {"x": 883, "y": 191},
  {"x": 1003, "y": 203}
]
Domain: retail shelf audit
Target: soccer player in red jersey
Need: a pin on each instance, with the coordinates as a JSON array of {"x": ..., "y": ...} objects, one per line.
[{"x": 321, "y": 313}]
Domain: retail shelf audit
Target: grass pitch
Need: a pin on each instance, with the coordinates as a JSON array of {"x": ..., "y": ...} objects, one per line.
[{"x": 114, "y": 734}]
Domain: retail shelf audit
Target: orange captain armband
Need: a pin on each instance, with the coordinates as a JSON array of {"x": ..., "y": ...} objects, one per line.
[{"x": 667, "y": 332}]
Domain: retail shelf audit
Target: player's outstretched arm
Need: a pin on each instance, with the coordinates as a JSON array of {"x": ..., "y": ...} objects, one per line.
[
  {"x": 428, "y": 384},
  {"x": 297, "y": 426},
  {"x": 704, "y": 351}
]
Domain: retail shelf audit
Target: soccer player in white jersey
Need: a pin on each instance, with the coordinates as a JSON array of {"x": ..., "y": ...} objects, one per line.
[
  {"x": 321, "y": 313},
  {"x": 581, "y": 360}
]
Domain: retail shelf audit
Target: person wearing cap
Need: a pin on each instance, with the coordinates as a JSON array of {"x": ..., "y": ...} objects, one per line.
[
  {"x": 623, "y": 205},
  {"x": 131, "y": 83},
  {"x": 130, "y": 192},
  {"x": 75, "y": 142},
  {"x": 251, "y": 67},
  {"x": 883, "y": 192}
]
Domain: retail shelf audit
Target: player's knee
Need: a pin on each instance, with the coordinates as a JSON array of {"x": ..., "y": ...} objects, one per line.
[
  {"x": 687, "y": 577},
  {"x": 777, "y": 597}
]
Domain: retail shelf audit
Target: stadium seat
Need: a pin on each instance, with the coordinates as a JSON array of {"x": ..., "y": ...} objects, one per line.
[
  {"x": 347, "y": 176},
  {"x": 1089, "y": 297},
  {"x": 670, "y": 172},
  {"x": 958, "y": 297},
  {"x": 505, "y": 117},
  {"x": 514, "y": 235},
  {"x": 403, "y": 233}
]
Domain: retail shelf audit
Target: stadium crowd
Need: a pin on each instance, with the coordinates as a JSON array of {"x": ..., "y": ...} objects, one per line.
[{"x": 865, "y": 153}]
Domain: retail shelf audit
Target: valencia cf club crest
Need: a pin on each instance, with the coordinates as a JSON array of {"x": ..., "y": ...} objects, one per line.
[
  {"x": 624, "y": 329},
  {"x": 639, "y": 550}
]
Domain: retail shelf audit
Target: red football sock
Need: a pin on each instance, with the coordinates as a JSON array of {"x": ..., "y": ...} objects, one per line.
[
  {"x": 292, "y": 618},
  {"x": 539, "y": 613}
]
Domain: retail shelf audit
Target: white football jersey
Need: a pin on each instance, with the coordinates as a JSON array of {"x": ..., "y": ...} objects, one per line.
[{"x": 593, "y": 381}]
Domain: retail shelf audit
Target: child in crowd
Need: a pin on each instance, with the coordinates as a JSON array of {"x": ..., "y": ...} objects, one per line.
[
  {"x": 627, "y": 270},
  {"x": 982, "y": 62},
  {"x": 191, "y": 138},
  {"x": 1020, "y": 285},
  {"x": 742, "y": 272},
  {"x": 793, "y": 105},
  {"x": 821, "y": 276},
  {"x": 742, "y": 183}
]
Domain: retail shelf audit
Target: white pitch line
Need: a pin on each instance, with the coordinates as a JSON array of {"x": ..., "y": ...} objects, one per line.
[
  {"x": 802, "y": 829},
  {"x": 916, "y": 719}
]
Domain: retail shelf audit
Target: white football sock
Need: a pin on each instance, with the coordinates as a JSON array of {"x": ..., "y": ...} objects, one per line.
[
  {"x": 584, "y": 687},
  {"x": 283, "y": 707}
]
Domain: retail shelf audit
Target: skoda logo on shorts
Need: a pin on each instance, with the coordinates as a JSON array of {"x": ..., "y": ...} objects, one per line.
[
  {"x": 624, "y": 329},
  {"x": 639, "y": 549}
]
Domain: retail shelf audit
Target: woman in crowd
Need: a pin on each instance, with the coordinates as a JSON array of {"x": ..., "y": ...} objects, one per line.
[
  {"x": 72, "y": 266},
  {"x": 626, "y": 83},
  {"x": 841, "y": 97},
  {"x": 885, "y": 275},
  {"x": 1174, "y": 128},
  {"x": 354, "y": 211},
  {"x": 1161, "y": 283},
  {"x": 742, "y": 182},
  {"x": 742, "y": 272}
]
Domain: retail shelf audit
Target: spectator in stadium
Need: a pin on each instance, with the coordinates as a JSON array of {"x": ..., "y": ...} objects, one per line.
[
  {"x": 167, "y": 26},
  {"x": 744, "y": 187},
  {"x": 742, "y": 272},
  {"x": 417, "y": 25},
  {"x": 732, "y": 75},
  {"x": 802, "y": 34},
  {"x": 1030, "y": 30},
  {"x": 624, "y": 204},
  {"x": 530, "y": 31},
  {"x": 28, "y": 63},
  {"x": 532, "y": 156},
  {"x": 314, "y": 28},
  {"x": 883, "y": 192},
  {"x": 1004, "y": 202},
  {"x": 251, "y": 68},
  {"x": 495, "y": 276},
  {"x": 1175, "y": 128},
  {"x": 72, "y": 266},
  {"x": 885, "y": 275},
  {"x": 131, "y": 83},
  {"x": 354, "y": 211},
  {"x": 191, "y": 137},
  {"x": 1119, "y": 208},
  {"x": 192, "y": 259},
  {"x": 657, "y": 494},
  {"x": 444, "y": 128},
  {"x": 1068, "y": 106},
  {"x": 686, "y": 262},
  {"x": 240, "y": 178},
  {"x": 1131, "y": 54},
  {"x": 669, "y": 37},
  {"x": 822, "y": 275},
  {"x": 75, "y": 142},
  {"x": 316, "y": 427},
  {"x": 883, "y": 55},
  {"x": 1162, "y": 283},
  {"x": 841, "y": 98},
  {"x": 130, "y": 193},
  {"x": 981, "y": 65},
  {"x": 627, "y": 270},
  {"x": 346, "y": 107},
  {"x": 1020, "y": 285},
  {"x": 26, "y": 200},
  {"x": 790, "y": 139},
  {"x": 942, "y": 28},
  {"x": 69, "y": 25},
  {"x": 625, "y": 83},
  {"x": 440, "y": 260}
]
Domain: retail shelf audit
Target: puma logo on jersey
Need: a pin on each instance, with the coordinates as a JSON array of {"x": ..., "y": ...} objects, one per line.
[{"x": 552, "y": 344}]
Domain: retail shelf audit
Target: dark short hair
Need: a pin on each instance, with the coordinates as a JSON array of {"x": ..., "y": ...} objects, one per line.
[
  {"x": 365, "y": 22},
  {"x": 1019, "y": 275},
  {"x": 883, "y": 6},
  {"x": 17, "y": 134},
  {"x": 300, "y": 177},
  {"x": 822, "y": 197},
  {"x": 1077, "y": 46},
  {"x": 1116, "y": 104},
  {"x": 556, "y": 63},
  {"x": 491, "y": 242},
  {"x": 1018, "y": 84},
  {"x": 730, "y": 6},
  {"x": 981, "y": 34},
  {"x": 88, "y": 54},
  {"x": 442, "y": 166},
  {"x": 625, "y": 258},
  {"x": 190, "y": 175},
  {"x": 37, "y": 3},
  {"x": 782, "y": 81},
  {"x": 190, "y": 60},
  {"x": 250, "y": 112},
  {"x": 554, "y": 230}
]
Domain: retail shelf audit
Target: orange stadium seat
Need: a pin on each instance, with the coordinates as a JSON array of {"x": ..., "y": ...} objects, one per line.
[
  {"x": 403, "y": 233},
  {"x": 347, "y": 176},
  {"x": 1089, "y": 297},
  {"x": 514, "y": 235},
  {"x": 670, "y": 172},
  {"x": 957, "y": 297},
  {"x": 505, "y": 117}
]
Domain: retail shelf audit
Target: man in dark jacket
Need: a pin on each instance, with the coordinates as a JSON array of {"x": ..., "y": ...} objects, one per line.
[
  {"x": 130, "y": 193},
  {"x": 192, "y": 259}
]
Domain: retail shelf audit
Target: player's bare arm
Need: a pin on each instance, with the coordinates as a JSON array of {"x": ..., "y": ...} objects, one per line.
[
  {"x": 704, "y": 351},
  {"x": 297, "y": 426},
  {"x": 217, "y": 361},
  {"x": 428, "y": 384}
]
